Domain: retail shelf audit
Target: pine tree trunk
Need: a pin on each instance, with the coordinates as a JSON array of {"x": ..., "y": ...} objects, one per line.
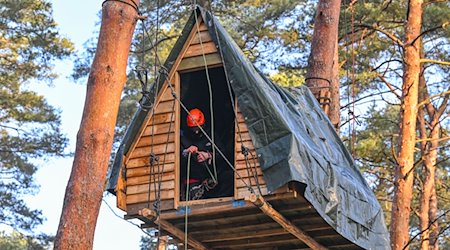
[
  {"x": 429, "y": 161},
  {"x": 335, "y": 102},
  {"x": 94, "y": 140},
  {"x": 434, "y": 234},
  {"x": 322, "y": 58},
  {"x": 404, "y": 176},
  {"x": 429, "y": 147}
]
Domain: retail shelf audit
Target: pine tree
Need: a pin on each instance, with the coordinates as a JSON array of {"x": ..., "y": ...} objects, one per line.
[{"x": 29, "y": 127}]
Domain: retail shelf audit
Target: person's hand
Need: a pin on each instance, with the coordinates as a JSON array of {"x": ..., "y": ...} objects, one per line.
[
  {"x": 203, "y": 156},
  {"x": 191, "y": 149}
]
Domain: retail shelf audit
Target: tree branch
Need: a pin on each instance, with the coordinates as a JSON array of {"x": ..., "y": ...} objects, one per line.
[
  {"x": 430, "y": 30},
  {"x": 153, "y": 45},
  {"x": 389, "y": 35},
  {"x": 430, "y": 139},
  {"x": 421, "y": 232},
  {"x": 445, "y": 93},
  {"x": 389, "y": 85},
  {"x": 425, "y": 60}
]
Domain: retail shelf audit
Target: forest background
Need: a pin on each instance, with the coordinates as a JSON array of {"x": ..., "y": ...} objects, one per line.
[{"x": 276, "y": 36}]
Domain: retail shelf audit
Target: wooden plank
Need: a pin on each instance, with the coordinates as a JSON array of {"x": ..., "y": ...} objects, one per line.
[
  {"x": 200, "y": 49},
  {"x": 159, "y": 129},
  {"x": 240, "y": 182},
  {"x": 247, "y": 235},
  {"x": 244, "y": 192},
  {"x": 142, "y": 198},
  {"x": 203, "y": 36},
  {"x": 133, "y": 209},
  {"x": 245, "y": 137},
  {"x": 161, "y": 118},
  {"x": 154, "y": 140},
  {"x": 202, "y": 26},
  {"x": 234, "y": 233},
  {"x": 145, "y": 171},
  {"x": 285, "y": 223},
  {"x": 232, "y": 219},
  {"x": 240, "y": 117},
  {"x": 177, "y": 142},
  {"x": 243, "y": 172},
  {"x": 241, "y": 164},
  {"x": 164, "y": 107},
  {"x": 241, "y": 157},
  {"x": 166, "y": 95},
  {"x": 156, "y": 149},
  {"x": 151, "y": 215},
  {"x": 121, "y": 195},
  {"x": 257, "y": 243},
  {"x": 249, "y": 146},
  {"x": 144, "y": 179},
  {"x": 144, "y": 188},
  {"x": 199, "y": 62},
  {"x": 143, "y": 161},
  {"x": 242, "y": 127}
]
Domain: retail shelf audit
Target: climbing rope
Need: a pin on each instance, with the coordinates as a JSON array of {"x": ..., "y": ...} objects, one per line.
[
  {"x": 232, "y": 101},
  {"x": 186, "y": 207},
  {"x": 211, "y": 106}
]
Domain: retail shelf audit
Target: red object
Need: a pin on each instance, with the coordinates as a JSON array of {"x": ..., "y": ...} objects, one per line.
[
  {"x": 195, "y": 118},
  {"x": 190, "y": 181}
]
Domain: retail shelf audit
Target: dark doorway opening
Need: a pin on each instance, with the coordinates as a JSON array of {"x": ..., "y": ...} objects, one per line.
[{"x": 195, "y": 94}]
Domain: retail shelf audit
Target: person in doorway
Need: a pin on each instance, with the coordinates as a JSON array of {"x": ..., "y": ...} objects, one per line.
[{"x": 198, "y": 176}]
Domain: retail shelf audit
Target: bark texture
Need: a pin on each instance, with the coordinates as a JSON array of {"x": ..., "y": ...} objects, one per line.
[
  {"x": 335, "y": 102},
  {"x": 94, "y": 140},
  {"x": 404, "y": 176},
  {"x": 429, "y": 134},
  {"x": 322, "y": 59}
]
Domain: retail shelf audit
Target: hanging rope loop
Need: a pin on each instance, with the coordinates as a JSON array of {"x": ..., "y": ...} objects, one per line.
[
  {"x": 244, "y": 150},
  {"x": 153, "y": 159}
]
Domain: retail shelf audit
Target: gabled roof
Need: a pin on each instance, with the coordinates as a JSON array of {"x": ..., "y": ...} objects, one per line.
[{"x": 294, "y": 140}]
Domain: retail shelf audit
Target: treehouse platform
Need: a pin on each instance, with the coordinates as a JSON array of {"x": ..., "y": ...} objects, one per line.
[{"x": 290, "y": 182}]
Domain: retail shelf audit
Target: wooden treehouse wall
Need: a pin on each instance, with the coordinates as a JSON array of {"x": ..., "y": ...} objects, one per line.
[
  {"x": 159, "y": 135},
  {"x": 245, "y": 173}
]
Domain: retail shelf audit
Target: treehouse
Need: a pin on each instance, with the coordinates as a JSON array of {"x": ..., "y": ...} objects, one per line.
[{"x": 291, "y": 182}]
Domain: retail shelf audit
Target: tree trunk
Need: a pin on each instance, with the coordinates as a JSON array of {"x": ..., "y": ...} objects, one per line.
[
  {"x": 404, "y": 175},
  {"x": 322, "y": 58},
  {"x": 94, "y": 140},
  {"x": 335, "y": 102},
  {"x": 429, "y": 147},
  {"x": 434, "y": 230}
]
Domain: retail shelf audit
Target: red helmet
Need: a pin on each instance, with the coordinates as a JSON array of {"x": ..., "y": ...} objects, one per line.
[{"x": 195, "y": 118}]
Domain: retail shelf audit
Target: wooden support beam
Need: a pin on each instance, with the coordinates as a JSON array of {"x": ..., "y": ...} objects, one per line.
[
  {"x": 285, "y": 223},
  {"x": 175, "y": 232}
]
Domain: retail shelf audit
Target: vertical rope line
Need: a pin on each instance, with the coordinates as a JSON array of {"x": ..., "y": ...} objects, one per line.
[
  {"x": 226, "y": 76},
  {"x": 234, "y": 106},
  {"x": 347, "y": 74},
  {"x": 187, "y": 200},
  {"x": 353, "y": 140},
  {"x": 211, "y": 106}
]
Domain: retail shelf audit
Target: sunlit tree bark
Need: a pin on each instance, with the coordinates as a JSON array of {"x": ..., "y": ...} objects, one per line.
[
  {"x": 404, "y": 175},
  {"x": 94, "y": 140},
  {"x": 322, "y": 59}
]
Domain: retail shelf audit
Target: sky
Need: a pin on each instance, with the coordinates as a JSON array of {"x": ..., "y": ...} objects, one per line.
[{"x": 76, "y": 20}]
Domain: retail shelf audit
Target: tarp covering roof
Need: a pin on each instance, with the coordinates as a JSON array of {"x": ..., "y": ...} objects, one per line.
[{"x": 294, "y": 141}]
